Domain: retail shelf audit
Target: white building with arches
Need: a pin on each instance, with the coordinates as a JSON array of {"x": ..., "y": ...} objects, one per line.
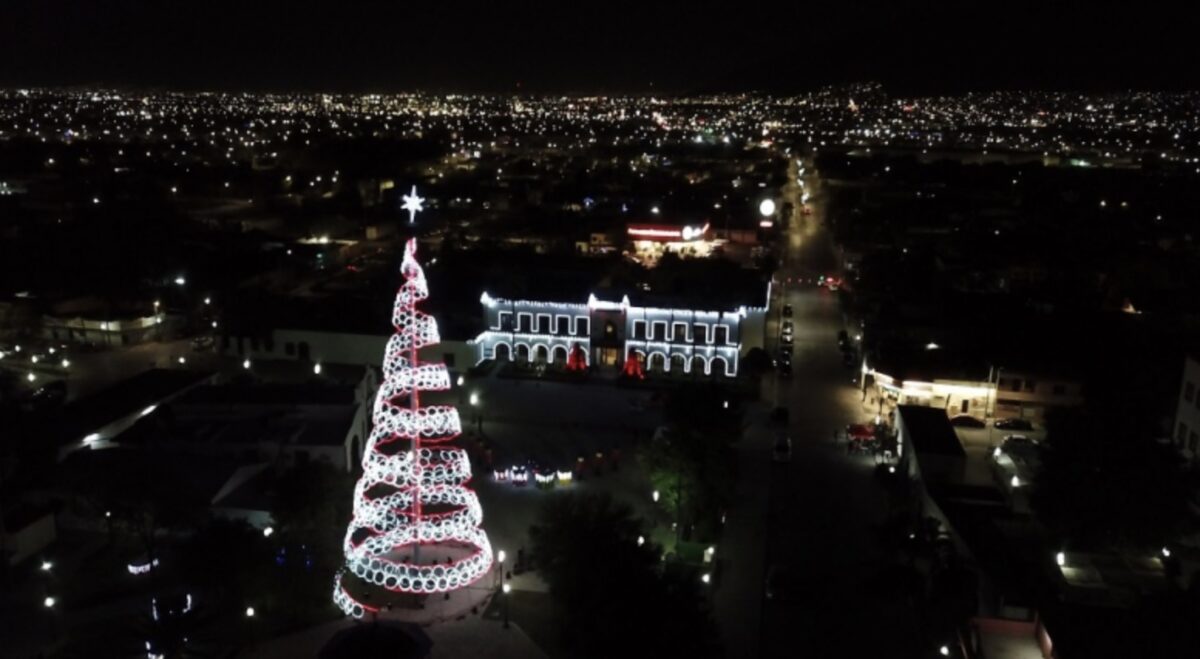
[{"x": 666, "y": 337}]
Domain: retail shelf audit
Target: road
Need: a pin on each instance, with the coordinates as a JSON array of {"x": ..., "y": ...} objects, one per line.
[{"x": 824, "y": 505}]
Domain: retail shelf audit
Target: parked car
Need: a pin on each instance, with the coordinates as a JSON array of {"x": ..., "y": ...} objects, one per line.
[
  {"x": 787, "y": 311},
  {"x": 1013, "y": 441},
  {"x": 202, "y": 343},
  {"x": 782, "y": 451},
  {"x": 966, "y": 421},
  {"x": 1012, "y": 424}
]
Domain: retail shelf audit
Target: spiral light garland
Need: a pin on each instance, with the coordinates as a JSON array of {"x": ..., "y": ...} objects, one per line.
[{"x": 408, "y": 466}]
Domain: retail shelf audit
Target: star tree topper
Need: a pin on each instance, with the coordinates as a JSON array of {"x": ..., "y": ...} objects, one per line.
[{"x": 413, "y": 204}]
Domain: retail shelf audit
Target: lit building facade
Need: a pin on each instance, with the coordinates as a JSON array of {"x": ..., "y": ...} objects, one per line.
[{"x": 699, "y": 342}]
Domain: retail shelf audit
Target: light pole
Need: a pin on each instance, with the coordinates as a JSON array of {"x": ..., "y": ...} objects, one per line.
[
  {"x": 478, "y": 414},
  {"x": 506, "y": 589},
  {"x": 500, "y": 556}
]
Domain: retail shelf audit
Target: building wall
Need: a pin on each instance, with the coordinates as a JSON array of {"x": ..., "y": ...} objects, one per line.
[
  {"x": 1186, "y": 431},
  {"x": 1029, "y": 396},
  {"x": 108, "y": 332},
  {"x": 339, "y": 348},
  {"x": 668, "y": 339}
]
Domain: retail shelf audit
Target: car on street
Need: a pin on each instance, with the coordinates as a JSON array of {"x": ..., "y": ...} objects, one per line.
[
  {"x": 202, "y": 343},
  {"x": 1019, "y": 441},
  {"x": 787, "y": 311},
  {"x": 782, "y": 450},
  {"x": 1012, "y": 424},
  {"x": 966, "y": 421}
]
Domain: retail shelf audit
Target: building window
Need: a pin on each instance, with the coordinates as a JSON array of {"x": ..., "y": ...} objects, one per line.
[
  {"x": 1001, "y": 382},
  {"x": 699, "y": 333},
  {"x": 289, "y": 349},
  {"x": 543, "y": 323},
  {"x": 1189, "y": 391},
  {"x": 583, "y": 326},
  {"x": 525, "y": 322},
  {"x": 658, "y": 330},
  {"x": 506, "y": 321},
  {"x": 564, "y": 325},
  {"x": 1030, "y": 385},
  {"x": 639, "y": 329},
  {"x": 254, "y": 343},
  {"x": 721, "y": 335},
  {"x": 1016, "y": 384},
  {"x": 679, "y": 332}
]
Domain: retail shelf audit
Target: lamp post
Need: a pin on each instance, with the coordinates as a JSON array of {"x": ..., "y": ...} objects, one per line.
[
  {"x": 500, "y": 556},
  {"x": 478, "y": 414},
  {"x": 506, "y": 589}
]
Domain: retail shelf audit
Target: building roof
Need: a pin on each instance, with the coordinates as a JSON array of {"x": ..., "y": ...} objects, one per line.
[
  {"x": 930, "y": 432},
  {"x": 138, "y": 393}
]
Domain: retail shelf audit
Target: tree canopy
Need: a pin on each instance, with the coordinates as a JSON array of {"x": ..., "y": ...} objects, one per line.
[{"x": 615, "y": 601}]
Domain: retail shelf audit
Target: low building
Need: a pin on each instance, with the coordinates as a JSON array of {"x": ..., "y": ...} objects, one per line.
[
  {"x": 97, "y": 322},
  {"x": 1187, "y": 409}
]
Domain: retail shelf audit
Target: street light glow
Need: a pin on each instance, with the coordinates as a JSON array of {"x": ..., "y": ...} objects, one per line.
[
  {"x": 767, "y": 207},
  {"x": 49, "y": 602},
  {"x": 249, "y": 611}
]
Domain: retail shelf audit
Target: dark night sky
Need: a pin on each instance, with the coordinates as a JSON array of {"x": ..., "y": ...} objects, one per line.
[{"x": 569, "y": 45}]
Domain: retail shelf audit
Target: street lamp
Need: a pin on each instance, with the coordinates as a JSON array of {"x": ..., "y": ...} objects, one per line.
[
  {"x": 945, "y": 651},
  {"x": 49, "y": 602},
  {"x": 641, "y": 540},
  {"x": 1060, "y": 558},
  {"x": 249, "y": 611},
  {"x": 246, "y": 364},
  {"x": 507, "y": 589},
  {"x": 654, "y": 496},
  {"x": 46, "y": 565},
  {"x": 767, "y": 207},
  {"x": 317, "y": 368},
  {"x": 500, "y": 556}
]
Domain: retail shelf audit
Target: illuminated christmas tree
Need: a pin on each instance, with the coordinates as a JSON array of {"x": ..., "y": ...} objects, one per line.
[{"x": 416, "y": 525}]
